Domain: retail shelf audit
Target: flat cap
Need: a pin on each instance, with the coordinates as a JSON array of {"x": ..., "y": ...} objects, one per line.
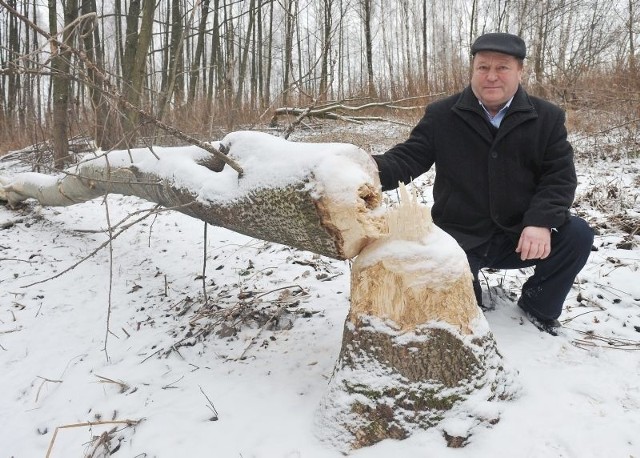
[{"x": 505, "y": 43}]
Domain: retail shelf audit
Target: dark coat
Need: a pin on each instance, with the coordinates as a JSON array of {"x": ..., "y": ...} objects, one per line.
[{"x": 488, "y": 179}]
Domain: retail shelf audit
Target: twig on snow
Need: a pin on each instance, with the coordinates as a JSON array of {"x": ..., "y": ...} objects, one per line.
[
  {"x": 592, "y": 339},
  {"x": 204, "y": 265},
  {"x": 106, "y": 243},
  {"x": 89, "y": 424},
  {"x": 44, "y": 380},
  {"x": 210, "y": 406},
  {"x": 109, "y": 228}
]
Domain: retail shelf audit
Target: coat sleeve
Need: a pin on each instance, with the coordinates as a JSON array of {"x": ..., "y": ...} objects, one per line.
[
  {"x": 556, "y": 186},
  {"x": 409, "y": 159}
]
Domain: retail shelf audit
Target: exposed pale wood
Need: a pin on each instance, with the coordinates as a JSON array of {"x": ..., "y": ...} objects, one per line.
[{"x": 415, "y": 345}]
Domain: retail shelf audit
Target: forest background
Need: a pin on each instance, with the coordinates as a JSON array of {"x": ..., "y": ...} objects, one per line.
[{"x": 211, "y": 66}]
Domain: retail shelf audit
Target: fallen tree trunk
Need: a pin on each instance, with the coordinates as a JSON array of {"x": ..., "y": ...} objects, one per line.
[
  {"x": 416, "y": 350},
  {"x": 322, "y": 198}
]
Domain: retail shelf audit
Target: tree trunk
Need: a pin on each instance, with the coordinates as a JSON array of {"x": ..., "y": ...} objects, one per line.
[
  {"x": 215, "y": 62},
  {"x": 326, "y": 48},
  {"x": 135, "y": 61},
  {"x": 12, "y": 89},
  {"x": 367, "y": 17},
  {"x": 198, "y": 60},
  {"x": 309, "y": 209},
  {"x": 106, "y": 137},
  {"x": 174, "y": 70},
  {"x": 631, "y": 32},
  {"x": 60, "y": 63},
  {"x": 288, "y": 50},
  {"x": 242, "y": 72},
  {"x": 415, "y": 347},
  {"x": 266, "y": 100}
]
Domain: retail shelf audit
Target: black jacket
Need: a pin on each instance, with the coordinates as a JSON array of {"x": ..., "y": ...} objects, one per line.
[{"x": 488, "y": 179}]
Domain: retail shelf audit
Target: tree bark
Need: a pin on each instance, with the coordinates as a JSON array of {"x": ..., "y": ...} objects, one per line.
[
  {"x": 416, "y": 349},
  {"x": 174, "y": 70},
  {"x": 305, "y": 211},
  {"x": 288, "y": 50},
  {"x": 135, "y": 61},
  {"x": 106, "y": 135},
  {"x": 242, "y": 72},
  {"x": 367, "y": 6},
  {"x": 199, "y": 62},
  {"x": 60, "y": 63}
]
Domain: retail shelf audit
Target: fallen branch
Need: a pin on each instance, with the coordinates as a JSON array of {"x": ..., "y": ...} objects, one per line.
[
  {"x": 89, "y": 424},
  {"x": 95, "y": 251},
  {"x": 592, "y": 339},
  {"x": 336, "y": 111},
  {"x": 16, "y": 259}
]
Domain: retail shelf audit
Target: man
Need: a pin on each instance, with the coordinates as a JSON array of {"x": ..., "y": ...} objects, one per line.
[{"x": 505, "y": 178}]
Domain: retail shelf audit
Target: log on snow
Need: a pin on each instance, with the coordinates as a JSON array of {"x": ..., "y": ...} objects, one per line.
[{"x": 323, "y": 198}]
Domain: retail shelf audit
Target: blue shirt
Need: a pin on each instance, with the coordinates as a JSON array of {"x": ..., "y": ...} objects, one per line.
[{"x": 497, "y": 119}]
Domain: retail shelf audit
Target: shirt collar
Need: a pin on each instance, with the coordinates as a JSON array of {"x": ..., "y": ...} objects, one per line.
[{"x": 497, "y": 119}]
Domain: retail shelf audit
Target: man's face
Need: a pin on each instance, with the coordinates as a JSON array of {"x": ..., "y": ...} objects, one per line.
[{"x": 495, "y": 78}]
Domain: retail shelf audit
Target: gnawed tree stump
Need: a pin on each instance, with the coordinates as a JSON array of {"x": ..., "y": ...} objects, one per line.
[
  {"x": 416, "y": 348},
  {"x": 323, "y": 198}
]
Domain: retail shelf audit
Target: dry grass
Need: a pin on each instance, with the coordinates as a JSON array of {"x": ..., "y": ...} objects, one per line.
[{"x": 598, "y": 104}]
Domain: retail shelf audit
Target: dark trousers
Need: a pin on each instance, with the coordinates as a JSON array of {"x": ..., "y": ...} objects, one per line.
[{"x": 544, "y": 293}]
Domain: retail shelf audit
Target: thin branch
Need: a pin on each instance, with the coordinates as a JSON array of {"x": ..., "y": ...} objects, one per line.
[
  {"x": 44, "y": 380},
  {"x": 211, "y": 406},
  {"x": 110, "y": 230},
  {"x": 89, "y": 424},
  {"x": 276, "y": 314},
  {"x": 303, "y": 114},
  {"x": 204, "y": 266},
  {"x": 94, "y": 252},
  {"x": 15, "y": 259}
]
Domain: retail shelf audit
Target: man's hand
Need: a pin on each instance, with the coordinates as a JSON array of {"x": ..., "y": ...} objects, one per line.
[{"x": 534, "y": 243}]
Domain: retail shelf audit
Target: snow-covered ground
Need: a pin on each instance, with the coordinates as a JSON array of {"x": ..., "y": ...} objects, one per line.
[{"x": 124, "y": 343}]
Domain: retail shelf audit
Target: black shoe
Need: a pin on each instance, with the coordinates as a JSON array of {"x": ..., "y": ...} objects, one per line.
[{"x": 550, "y": 326}]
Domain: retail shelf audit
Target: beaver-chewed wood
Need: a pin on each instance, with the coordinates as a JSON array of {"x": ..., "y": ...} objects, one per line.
[{"x": 416, "y": 349}]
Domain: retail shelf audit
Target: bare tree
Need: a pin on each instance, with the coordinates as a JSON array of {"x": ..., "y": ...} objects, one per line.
[
  {"x": 631, "y": 34},
  {"x": 199, "y": 64},
  {"x": 61, "y": 66},
  {"x": 242, "y": 71},
  {"x": 135, "y": 62},
  {"x": 367, "y": 17},
  {"x": 327, "y": 24},
  {"x": 173, "y": 86},
  {"x": 105, "y": 136},
  {"x": 288, "y": 7}
]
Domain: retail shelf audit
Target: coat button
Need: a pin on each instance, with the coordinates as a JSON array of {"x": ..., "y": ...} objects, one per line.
[{"x": 494, "y": 154}]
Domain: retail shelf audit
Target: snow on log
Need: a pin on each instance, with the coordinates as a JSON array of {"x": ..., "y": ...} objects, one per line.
[
  {"x": 322, "y": 197},
  {"x": 416, "y": 351}
]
